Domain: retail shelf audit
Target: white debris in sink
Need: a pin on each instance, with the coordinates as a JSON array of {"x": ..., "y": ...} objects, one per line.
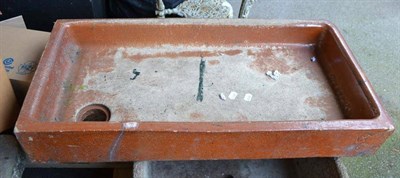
[
  {"x": 130, "y": 125},
  {"x": 222, "y": 96},
  {"x": 274, "y": 74},
  {"x": 313, "y": 59},
  {"x": 248, "y": 96},
  {"x": 232, "y": 95}
]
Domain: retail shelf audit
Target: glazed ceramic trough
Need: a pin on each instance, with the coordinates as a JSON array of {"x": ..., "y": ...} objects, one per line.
[{"x": 185, "y": 89}]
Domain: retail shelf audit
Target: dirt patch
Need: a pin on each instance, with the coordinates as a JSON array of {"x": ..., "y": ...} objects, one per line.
[
  {"x": 232, "y": 52},
  {"x": 325, "y": 104},
  {"x": 196, "y": 115},
  {"x": 213, "y": 62},
  {"x": 267, "y": 61}
]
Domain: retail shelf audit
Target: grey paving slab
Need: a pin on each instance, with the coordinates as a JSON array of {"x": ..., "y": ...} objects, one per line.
[{"x": 11, "y": 158}]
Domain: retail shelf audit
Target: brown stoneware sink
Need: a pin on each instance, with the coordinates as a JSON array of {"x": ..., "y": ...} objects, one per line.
[{"x": 185, "y": 89}]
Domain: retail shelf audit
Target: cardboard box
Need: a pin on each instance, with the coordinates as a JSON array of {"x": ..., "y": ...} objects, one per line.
[
  {"x": 9, "y": 108},
  {"x": 21, "y": 50},
  {"x": 14, "y": 22}
]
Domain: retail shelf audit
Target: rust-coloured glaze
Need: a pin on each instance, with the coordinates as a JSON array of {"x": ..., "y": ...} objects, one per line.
[{"x": 348, "y": 121}]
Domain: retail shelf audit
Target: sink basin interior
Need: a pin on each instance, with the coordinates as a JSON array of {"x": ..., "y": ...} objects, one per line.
[{"x": 178, "y": 72}]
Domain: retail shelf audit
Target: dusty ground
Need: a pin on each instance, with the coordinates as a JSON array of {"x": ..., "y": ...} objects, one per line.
[{"x": 372, "y": 30}]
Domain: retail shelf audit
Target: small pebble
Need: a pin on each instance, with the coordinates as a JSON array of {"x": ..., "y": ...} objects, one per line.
[
  {"x": 222, "y": 96},
  {"x": 247, "y": 97},
  {"x": 232, "y": 95}
]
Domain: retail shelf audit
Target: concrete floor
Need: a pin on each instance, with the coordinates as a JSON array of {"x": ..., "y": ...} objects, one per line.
[{"x": 372, "y": 30}]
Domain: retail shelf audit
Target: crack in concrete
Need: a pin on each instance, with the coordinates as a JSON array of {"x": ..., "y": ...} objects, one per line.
[
  {"x": 201, "y": 78},
  {"x": 135, "y": 73},
  {"x": 115, "y": 145}
]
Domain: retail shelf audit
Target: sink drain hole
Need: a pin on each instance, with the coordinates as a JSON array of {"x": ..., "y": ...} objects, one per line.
[{"x": 94, "y": 112}]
